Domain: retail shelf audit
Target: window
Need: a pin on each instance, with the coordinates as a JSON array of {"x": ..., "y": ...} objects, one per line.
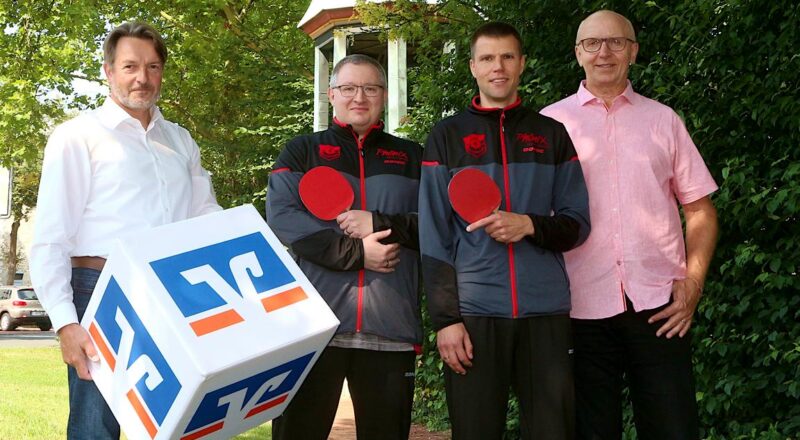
[{"x": 26, "y": 294}]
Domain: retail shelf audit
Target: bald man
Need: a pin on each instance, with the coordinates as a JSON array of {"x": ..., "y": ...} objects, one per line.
[{"x": 635, "y": 282}]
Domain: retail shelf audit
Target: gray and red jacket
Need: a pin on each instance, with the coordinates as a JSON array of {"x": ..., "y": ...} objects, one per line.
[
  {"x": 384, "y": 171},
  {"x": 533, "y": 162}
]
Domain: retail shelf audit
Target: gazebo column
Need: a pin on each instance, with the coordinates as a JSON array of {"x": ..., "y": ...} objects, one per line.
[
  {"x": 321, "y": 69},
  {"x": 396, "y": 63},
  {"x": 339, "y": 48}
]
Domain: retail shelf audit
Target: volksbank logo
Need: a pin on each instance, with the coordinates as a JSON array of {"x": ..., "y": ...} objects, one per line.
[
  {"x": 136, "y": 362},
  {"x": 215, "y": 286},
  {"x": 239, "y": 401}
]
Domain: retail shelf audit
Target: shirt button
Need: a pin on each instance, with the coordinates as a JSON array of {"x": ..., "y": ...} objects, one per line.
[{"x": 619, "y": 263}]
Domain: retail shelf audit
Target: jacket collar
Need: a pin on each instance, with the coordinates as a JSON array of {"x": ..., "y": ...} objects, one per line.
[
  {"x": 347, "y": 129},
  {"x": 475, "y": 106}
]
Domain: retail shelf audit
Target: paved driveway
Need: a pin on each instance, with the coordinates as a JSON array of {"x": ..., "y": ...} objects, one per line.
[{"x": 27, "y": 338}]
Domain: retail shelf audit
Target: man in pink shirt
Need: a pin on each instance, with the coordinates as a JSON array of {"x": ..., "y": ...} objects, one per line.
[{"x": 635, "y": 283}]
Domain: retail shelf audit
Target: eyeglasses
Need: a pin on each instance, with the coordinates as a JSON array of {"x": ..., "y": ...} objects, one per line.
[
  {"x": 615, "y": 44},
  {"x": 349, "y": 90}
]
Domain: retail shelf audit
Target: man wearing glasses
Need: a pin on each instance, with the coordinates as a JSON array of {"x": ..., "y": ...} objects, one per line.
[
  {"x": 635, "y": 282},
  {"x": 365, "y": 264}
]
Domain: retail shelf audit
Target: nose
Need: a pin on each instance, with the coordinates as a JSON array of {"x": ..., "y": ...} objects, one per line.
[
  {"x": 497, "y": 64},
  {"x": 141, "y": 75},
  {"x": 604, "y": 49},
  {"x": 360, "y": 94}
]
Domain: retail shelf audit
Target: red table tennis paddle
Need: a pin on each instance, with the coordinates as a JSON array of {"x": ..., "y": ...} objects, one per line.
[
  {"x": 473, "y": 194},
  {"x": 325, "y": 192}
]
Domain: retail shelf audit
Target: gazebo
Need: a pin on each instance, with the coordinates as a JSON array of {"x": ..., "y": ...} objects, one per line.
[{"x": 337, "y": 32}]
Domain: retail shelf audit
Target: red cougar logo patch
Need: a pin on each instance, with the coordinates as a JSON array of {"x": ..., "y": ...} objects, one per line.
[
  {"x": 330, "y": 152},
  {"x": 475, "y": 144}
]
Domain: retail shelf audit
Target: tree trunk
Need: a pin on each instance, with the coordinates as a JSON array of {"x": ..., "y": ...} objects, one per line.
[{"x": 11, "y": 258}]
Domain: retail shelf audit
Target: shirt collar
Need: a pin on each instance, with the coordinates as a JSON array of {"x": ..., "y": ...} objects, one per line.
[
  {"x": 112, "y": 115},
  {"x": 584, "y": 95}
]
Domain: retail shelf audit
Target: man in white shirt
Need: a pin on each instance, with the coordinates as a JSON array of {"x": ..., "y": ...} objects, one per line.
[{"x": 119, "y": 169}]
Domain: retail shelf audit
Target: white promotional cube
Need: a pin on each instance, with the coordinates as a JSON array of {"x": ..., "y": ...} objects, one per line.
[{"x": 205, "y": 328}]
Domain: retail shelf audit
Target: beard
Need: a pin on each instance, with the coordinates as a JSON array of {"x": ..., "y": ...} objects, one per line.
[{"x": 125, "y": 98}]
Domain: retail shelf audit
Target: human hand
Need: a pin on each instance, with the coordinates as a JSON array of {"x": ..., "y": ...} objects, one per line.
[
  {"x": 685, "y": 297},
  {"x": 455, "y": 347},
  {"x": 76, "y": 347},
  {"x": 505, "y": 227},
  {"x": 380, "y": 257},
  {"x": 355, "y": 223}
]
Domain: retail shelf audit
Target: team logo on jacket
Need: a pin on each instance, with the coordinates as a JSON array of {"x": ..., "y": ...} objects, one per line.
[
  {"x": 475, "y": 144},
  {"x": 532, "y": 143},
  {"x": 330, "y": 152},
  {"x": 394, "y": 157}
]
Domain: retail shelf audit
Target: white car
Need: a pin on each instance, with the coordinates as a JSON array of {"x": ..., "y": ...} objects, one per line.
[{"x": 19, "y": 306}]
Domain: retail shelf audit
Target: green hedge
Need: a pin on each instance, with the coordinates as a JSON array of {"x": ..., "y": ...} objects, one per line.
[{"x": 731, "y": 70}]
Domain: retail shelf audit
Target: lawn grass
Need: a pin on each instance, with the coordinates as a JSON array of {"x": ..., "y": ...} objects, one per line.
[{"x": 33, "y": 396}]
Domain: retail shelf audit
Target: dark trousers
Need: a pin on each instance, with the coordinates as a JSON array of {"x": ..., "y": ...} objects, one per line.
[
  {"x": 658, "y": 372},
  {"x": 381, "y": 385},
  {"x": 532, "y": 355},
  {"x": 89, "y": 415}
]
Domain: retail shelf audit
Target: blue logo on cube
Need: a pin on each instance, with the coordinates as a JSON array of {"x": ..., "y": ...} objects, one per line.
[
  {"x": 212, "y": 285},
  {"x": 241, "y": 400},
  {"x": 127, "y": 346}
]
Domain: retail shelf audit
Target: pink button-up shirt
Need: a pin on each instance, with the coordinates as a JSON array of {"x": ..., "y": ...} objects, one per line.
[{"x": 637, "y": 158}]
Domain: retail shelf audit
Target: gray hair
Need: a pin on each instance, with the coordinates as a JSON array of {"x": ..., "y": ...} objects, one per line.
[
  {"x": 358, "y": 59},
  {"x": 135, "y": 30}
]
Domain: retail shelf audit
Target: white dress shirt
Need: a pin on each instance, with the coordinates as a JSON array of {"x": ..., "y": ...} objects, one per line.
[{"x": 104, "y": 176}]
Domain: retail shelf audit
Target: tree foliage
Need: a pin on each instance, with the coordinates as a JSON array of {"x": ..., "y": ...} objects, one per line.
[
  {"x": 239, "y": 77},
  {"x": 730, "y": 69}
]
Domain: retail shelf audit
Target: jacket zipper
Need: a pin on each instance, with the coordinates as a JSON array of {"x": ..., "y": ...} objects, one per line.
[
  {"x": 363, "y": 192},
  {"x": 507, "y": 187}
]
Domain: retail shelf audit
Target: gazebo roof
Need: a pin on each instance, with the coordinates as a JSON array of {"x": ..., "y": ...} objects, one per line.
[{"x": 321, "y": 15}]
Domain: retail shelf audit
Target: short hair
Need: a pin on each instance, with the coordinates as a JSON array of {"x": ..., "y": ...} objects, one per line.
[
  {"x": 494, "y": 29},
  {"x": 134, "y": 29},
  {"x": 358, "y": 59},
  {"x": 625, "y": 22}
]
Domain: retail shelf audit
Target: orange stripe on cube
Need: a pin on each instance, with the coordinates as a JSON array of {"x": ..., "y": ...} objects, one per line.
[
  {"x": 216, "y": 322},
  {"x": 265, "y": 406},
  {"x": 101, "y": 345},
  {"x": 142, "y": 413},
  {"x": 204, "y": 432},
  {"x": 283, "y": 299}
]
